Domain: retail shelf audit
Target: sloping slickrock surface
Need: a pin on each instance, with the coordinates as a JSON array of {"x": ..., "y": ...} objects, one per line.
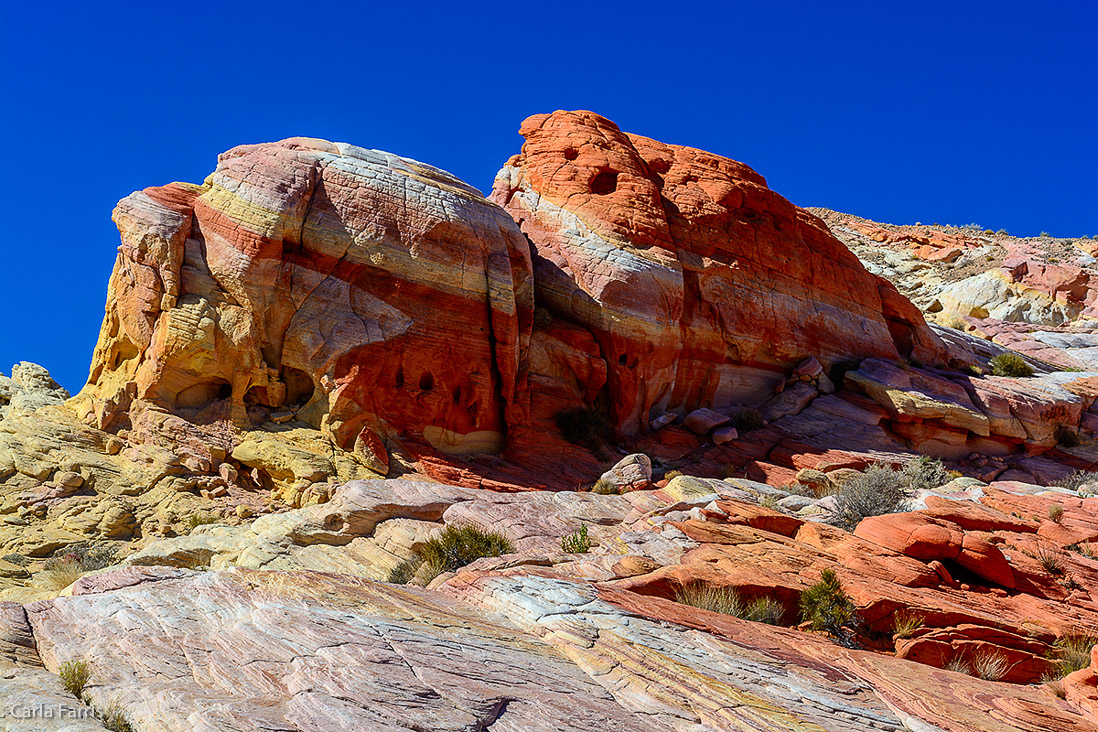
[{"x": 290, "y": 651}]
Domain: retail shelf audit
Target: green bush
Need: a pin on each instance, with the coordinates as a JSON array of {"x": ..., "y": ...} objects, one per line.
[
  {"x": 828, "y": 608},
  {"x": 451, "y": 549},
  {"x": 588, "y": 427},
  {"x": 880, "y": 490},
  {"x": 577, "y": 543},
  {"x": 74, "y": 677},
  {"x": 1010, "y": 364},
  {"x": 765, "y": 610}
]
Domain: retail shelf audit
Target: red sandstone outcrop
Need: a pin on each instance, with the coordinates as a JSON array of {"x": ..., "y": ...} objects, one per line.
[{"x": 701, "y": 286}]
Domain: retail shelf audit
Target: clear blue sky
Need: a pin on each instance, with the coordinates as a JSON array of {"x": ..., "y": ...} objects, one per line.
[{"x": 936, "y": 112}]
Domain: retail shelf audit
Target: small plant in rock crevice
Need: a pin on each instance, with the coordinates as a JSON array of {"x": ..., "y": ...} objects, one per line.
[
  {"x": 1049, "y": 559},
  {"x": 728, "y": 601},
  {"x": 1056, "y": 513},
  {"x": 1071, "y": 653},
  {"x": 959, "y": 665},
  {"x": 74, "y": 677},
  {"x": 1077, "y": 480},
  {"x": 603, "y": 487},
  {"x": 452, "y": 548},
  {"x": 905, "y": 624},
  {"x": 115, "y": 719},
  {"x": 1010, "y": 364},
  {"x": 577, "y": 543},
  {"x": 827, "y": 607},
  {"x": 990, "y": 664}
]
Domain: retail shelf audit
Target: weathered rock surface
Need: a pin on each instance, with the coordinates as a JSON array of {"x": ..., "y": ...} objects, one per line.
[{"x": 681, "y": 264}]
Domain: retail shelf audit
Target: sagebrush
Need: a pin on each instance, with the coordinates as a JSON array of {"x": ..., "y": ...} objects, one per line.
[{"x": 880, "y": 490}]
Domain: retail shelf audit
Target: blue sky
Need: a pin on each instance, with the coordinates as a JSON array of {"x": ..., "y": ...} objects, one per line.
[{"x": 900, "y": 112}]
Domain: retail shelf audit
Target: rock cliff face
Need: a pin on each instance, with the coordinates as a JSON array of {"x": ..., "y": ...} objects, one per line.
[
  {"x": 365, "y": 293},
  {"x": 389, "y": 305},
  {"x": 701, "y": 286}
]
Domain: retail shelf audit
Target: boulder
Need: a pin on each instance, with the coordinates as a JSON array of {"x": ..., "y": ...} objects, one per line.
[
  {"x": 703, "y": 421},
  {"x": 631, "y": 473}
]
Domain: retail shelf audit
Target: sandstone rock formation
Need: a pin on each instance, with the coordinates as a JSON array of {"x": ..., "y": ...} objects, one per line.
[
  {"x": 388, "y": 305},
  {"x": 700, "y": 285}
]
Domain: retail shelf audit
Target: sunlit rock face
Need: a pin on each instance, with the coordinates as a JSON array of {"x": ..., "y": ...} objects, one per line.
[
  {"x": 391, "y": 306},
  {"x": 700, "y": 284},
  {"x": 366, "y": 292}
]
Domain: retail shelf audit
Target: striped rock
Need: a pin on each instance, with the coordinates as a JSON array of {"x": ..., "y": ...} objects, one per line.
[
  {"x": 368, "y": 293},
  {"x": 702, "y": 286}
]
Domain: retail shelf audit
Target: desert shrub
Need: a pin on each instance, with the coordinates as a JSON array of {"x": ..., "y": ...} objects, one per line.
[
  {"x": 454, "y": 547},
  {"x": 1065, "y": 436},
  {"x": 765, "y": 610},
  {"x": 1056, "y": 513},
  {"x": 115, "y": 719},
  {"x": 672, "y": 474},
  {"x": 74, "y": 677},
  {"x": 1071, "y": 653},
  {"x": 1086, "y": 549},
  {"x": 404, "y": 572},
  {"x": 1049, "y": 559},
  {"x": 769, "y": 501},
  {"x": 727, "y": 600},
  {"x": 990, "y": 664},
  {"x": 201, "y": 519},
  {"x": 63, "y": 569},
  {"x": 972, "y": 370},
  {"x": 748, "y": 420},
  {"x": 828, "y": 608},
  {"x": 542, "y": 318},
  {"x": 1010, "y": 364},
  {"x": 959, "y": 665},
  {"x": 708, "y": 597},
  {"x": 880, "y": 490},
  {"x": 1078, "y": 479},
  {"x": 587, "y": 427},
  {"x": 605, "y": 488},
  {"x": 577, "y": 543},
  {"x": 905, "y": 623}
]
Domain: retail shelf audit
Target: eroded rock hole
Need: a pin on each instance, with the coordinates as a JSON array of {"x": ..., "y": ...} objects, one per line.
[
  {"x": 299, "y": 386},
  {"x": 426, "y": 381},
  {"x": 571, "y": 153},
  {"x": 399, "y": 380},
  {"x": 203, "y": 394},
  {"x": 604, "y": 183}
]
